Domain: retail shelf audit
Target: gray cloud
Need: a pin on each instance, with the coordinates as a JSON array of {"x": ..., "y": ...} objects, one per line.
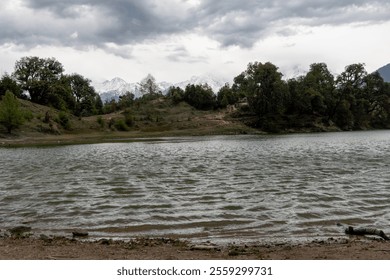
[
  {"x": 181, "y": 54},
  {"x": 235, "y": 23},
  {"x": 96, "y": 23},
  {"x": 114, "y": 25},
  {"x": 118, "y": 21}
]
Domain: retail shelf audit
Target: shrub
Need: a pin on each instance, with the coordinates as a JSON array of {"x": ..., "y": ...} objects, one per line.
[
  {"x": 121, "y": 125},
  {"x": 129, "y": 118},
  {"x": 47, "y": 118},
  {"x": 63, "y": 120},
  {"x": 111, "y": 122},
  {"x": 11, "y": 116},
  {"x": 100, "y": 121},
  {"x": 28, "y": 115}
]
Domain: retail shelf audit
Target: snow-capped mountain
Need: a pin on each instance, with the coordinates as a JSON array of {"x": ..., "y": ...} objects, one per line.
[
  {"x": 112, "y": 89},
  {"x": 117, "y": 84},
  {"x": 214, "y": 83}
]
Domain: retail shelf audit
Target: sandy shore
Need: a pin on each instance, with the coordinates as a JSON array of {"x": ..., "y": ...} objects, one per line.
[{"x": 170, "y": 249}]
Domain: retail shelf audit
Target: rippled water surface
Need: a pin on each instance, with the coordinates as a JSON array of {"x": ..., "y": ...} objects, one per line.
[{"x": 228, "y": 188}]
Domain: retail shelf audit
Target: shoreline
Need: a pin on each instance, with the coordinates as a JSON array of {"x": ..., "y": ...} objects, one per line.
[
  {"x": 31, "y": 140},
  {"x": 165, "y": 248}
]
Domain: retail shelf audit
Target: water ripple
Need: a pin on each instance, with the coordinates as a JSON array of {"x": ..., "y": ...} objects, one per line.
[{"x": 220, "y": 188}]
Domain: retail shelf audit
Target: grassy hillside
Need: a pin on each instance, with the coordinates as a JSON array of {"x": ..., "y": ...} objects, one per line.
[{"x": 154, "y": 118}]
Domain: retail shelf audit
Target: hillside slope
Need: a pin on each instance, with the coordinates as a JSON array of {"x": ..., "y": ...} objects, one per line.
[{"x": 155, "y": 118}]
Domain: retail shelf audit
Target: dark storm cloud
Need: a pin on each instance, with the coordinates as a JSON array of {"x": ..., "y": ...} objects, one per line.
[
  {"x": 98, "y": 23},
  {"x": 235, "y": 23},
  {"x": 118, "y": 21},
  {"x": 84, "y": 23}
]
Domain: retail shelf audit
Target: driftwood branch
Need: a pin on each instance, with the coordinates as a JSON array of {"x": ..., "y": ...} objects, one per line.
[{"x": 365, "y": 231}]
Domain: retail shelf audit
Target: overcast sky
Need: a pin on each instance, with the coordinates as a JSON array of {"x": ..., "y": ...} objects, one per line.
[{"x": 176, "y": 39}]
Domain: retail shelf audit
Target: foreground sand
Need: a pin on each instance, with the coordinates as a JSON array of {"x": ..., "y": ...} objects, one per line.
[{"x": 170, "y": 249}]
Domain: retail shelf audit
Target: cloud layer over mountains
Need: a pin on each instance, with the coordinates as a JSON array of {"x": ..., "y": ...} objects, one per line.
[{"x": 113, "y": 25}]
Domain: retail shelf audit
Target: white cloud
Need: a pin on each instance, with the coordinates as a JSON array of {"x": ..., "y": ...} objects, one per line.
[{"x": 74, "y": 35}]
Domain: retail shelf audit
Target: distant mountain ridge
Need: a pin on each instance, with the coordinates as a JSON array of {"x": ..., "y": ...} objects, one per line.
[
  {"x": 385, "y": 72},
  {"x": 112, "y": 89}
]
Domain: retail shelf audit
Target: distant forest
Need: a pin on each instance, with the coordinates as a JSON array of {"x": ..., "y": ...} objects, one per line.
[{"x": 259, "y": 95}]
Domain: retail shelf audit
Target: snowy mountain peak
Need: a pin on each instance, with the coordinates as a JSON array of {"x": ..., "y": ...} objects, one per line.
[
  {"x": 112, "y": 89},
  {"x": 109, "y": 85},
  {"x": 116, "y": 82},
  {"x": 213, "y": 82}
]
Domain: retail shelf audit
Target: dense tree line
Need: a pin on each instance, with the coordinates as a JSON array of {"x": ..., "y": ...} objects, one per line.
[
  {"x": 201, "y": 97},
  {"x": 354, "y": 99},
  {"x": 42, "y": 80}
]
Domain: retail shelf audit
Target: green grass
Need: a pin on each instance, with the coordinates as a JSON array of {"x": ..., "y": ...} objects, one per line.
[{"x": 156, "y": 118}]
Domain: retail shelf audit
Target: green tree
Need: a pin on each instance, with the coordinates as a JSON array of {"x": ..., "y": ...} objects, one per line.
[
  {"x": 201, "y": 97},
  {"x": 87, "y": 100},
  {"x": 374, "y": 92},
  {"x": 312, "y": 93},
  {"x": 320, "y": 87},
  {"x": 264, "y": 87},
  {"x": 43, "y": 78},
  {"x": 351, "y": 81},
  {"x": 11, "y": 116},
  {"x": 59, "y": 95},
  {"x": 126, "y": 100},
  {"x": 8, "y": 83},
  {"x": 374, "y": 100},
  {"x": 350, "y": 86},
  {"x": 226, "y": 96},
  {"x": 110, "y": 106},
  {"x": 299, "y": 101},
  {"x": 37, "y": 76},
  {"x": 176, "y": 94}
]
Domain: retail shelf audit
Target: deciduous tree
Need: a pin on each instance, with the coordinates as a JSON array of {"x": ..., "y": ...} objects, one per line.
[
  {"x": 37, "y": 75},
  {"x": 8, "y": 83},
  {"x": 226, "y": 96},
  {"x": 87, "y": 101},
  {"x": 264, "y": 87},
  {"x": 201, "y": 97},
  {"x": 176, "y": 94},
  {"x": 149, "y": 87}
]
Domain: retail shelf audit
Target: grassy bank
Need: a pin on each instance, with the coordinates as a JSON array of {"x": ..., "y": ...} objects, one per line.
[
  {"x": 149, "y": 119},
  {"x": 154, "y": 119}
]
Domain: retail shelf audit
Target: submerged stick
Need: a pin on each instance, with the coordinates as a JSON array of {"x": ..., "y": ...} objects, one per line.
[
  {"x": 365, "y": 231},
  {"x": 80, "y": 234}
]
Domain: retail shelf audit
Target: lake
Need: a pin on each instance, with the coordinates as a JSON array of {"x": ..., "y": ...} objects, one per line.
[{"x": 222, "y": 188}]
